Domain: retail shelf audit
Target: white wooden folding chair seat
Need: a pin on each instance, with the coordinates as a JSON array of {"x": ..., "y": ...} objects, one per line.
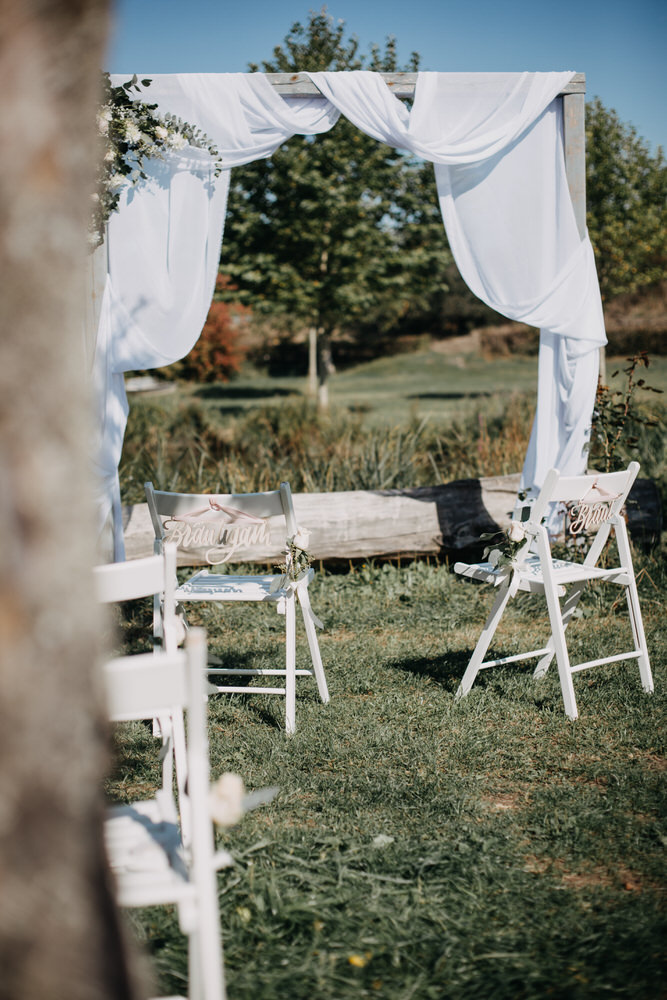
[
  {"x": 215, "y": 519},
  {"x": 149, "y": 861},
  {"x": 592, "y": 504},
  {"x": 153, "y": 576}
]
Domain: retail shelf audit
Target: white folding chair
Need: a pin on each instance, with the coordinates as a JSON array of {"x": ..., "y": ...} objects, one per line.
[
  {"x": 150, "y": 864},
  {"x": 216, "y": 526},
  {"x": 153, "y": 576},
  {"x": 589, "y": 506}
]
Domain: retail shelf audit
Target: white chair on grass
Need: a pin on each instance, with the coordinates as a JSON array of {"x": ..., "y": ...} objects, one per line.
[
  {"x": 217, "y": 526},
  {"x": 150, "y": 864},
  {"x": 153, "y": 576},
  {"x": 590, "y": 506}
]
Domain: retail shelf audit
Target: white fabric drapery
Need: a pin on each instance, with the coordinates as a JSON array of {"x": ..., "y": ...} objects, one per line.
[
  {"x": 164, "y": 242},
  {"x": 496, "y": 143}
]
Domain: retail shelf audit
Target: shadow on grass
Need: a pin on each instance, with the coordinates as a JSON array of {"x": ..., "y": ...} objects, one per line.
[
  {"x": 242, "y": 392},
  {"x": 446, "y": 670},
  {"x": 449, "y": 669},
  {"x": 253, "y": 701},
  {"x": 450, "y": 395}
]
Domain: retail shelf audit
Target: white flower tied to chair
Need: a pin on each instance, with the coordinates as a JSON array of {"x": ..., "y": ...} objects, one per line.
[
  {"x": 496, "y": 142},
  {"x": 294, "y": 572},
  {"x": 229, "y": 801},
  {"x": 577, "y": 518}
]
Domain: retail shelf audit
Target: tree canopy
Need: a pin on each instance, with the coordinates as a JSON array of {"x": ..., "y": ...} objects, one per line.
[
  {"x": 339, "y": 233},
  {"x": 336, "y": 231},
  {"x": 626, "y": 188}
]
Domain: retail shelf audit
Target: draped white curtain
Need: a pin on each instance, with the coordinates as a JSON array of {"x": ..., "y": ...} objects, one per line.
[
  {"x": 496, "y": 142},
  {"x": 164, "y": 243}
]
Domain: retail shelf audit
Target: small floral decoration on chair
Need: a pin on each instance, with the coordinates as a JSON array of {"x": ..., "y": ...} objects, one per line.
[
  {"x": 297, "y": 558},
  {"x": 506, "y": 544}
]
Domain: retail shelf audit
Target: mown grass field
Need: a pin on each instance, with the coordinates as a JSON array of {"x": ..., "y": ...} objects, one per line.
[
  {"x": 425, "y": 383},
  {"x": 420, "y": 847}
]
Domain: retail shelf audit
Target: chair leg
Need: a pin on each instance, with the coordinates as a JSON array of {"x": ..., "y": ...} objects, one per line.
[
  {"x": 181, "y": 759},
  {"x": 194, "y": 967},
  {"x": 567, "y": 610},
  {"x": 290, "y": 673},
  {"x": 313, "y": 644},
  {"x": 484, "y": 641},
  {"x": 557, "y": 630},
  {"x": 207, "y": 955},
  {"x": 634, "y": 609},
  {"x": 640, "y": 638}
]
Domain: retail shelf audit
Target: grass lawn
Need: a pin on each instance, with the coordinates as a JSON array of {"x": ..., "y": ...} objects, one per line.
[
  {"x": 422, "y": 848},
  {"x": 419, "y": 848},
  {"x": 422, "y": 384}
]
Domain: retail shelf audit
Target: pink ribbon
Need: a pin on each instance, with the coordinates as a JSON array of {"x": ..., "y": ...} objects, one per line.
[{"x": 232, "y": 512}]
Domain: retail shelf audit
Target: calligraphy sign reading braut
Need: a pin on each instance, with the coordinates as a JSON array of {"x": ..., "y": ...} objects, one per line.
[
  {"x": 594, "y": 508},
  {"x": 217, "y": 532}
]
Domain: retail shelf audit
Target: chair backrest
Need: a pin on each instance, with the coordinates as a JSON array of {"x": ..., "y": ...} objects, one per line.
[
  {"x": 145, "y": 685},
  {"x": 589, "y": 502},
  {"x": 148, "y": 684},
  {"x": 152, "y": 576},
  {"x": 219, "y": 525}
]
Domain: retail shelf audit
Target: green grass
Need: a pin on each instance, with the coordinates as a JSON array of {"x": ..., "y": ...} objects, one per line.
[
  {"x": 413, "y": 420},
  {"x": 419, "y": 848},
  {"x": 424, "y": 384},
  {"x": 425, "y": 848}
]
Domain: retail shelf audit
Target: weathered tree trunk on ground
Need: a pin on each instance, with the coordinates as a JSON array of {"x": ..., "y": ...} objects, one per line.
[
  {"x": 59, "y": 931},
  {"x": 443, "y": 520}
]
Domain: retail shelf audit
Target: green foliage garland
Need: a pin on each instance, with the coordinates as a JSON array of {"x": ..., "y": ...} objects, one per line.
[
  {"x": 131, "y": 131},
  {"x": 335, "y": 232}
]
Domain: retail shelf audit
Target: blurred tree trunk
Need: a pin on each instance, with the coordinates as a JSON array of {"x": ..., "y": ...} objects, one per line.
[{"x": 60, "y": 935}]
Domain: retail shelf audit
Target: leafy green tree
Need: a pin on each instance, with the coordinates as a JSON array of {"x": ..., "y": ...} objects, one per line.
[
  {"x": 627, "y": 203},
  {"x": 336, "y": 232}
]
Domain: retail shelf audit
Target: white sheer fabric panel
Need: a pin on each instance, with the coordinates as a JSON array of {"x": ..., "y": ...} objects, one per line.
[
  {"x": 164, "y": 242},
  {"x": 496, "y": 142}
]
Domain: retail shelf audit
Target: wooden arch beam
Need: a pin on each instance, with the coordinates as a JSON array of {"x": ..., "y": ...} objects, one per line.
[{"x": 573, "y": 96}]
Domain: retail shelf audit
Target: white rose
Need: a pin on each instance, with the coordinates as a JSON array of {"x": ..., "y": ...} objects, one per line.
[
  {"x": 226, "y": 799},
  {"x": 176, "y": 141},
  {"x": 517, "y": 532},
  {"x": 132, "y": 132},
  {"x": 161, "y": 133},
  {"x": 301, "y": 539}
]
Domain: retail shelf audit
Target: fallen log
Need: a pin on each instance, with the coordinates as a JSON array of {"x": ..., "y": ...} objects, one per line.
[{"x": 443, "y": 520}]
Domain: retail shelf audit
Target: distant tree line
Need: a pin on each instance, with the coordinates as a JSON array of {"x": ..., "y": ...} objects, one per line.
[{"x": 342, "y": 236}]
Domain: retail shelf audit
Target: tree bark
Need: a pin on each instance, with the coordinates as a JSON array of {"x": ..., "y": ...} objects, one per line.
[
  {"x": 312, "y": 363},
  {"x": 59, "y": 931}
]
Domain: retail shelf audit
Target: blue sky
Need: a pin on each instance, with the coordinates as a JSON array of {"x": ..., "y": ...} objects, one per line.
[{"x": 621, "y": 45}]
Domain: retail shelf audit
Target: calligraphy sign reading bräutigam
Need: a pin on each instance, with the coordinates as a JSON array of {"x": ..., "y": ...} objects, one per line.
[{"x": 220, "y": 540}]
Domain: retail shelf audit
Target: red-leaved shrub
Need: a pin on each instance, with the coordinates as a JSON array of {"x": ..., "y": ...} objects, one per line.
[{"x": 218, "y": 354}]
